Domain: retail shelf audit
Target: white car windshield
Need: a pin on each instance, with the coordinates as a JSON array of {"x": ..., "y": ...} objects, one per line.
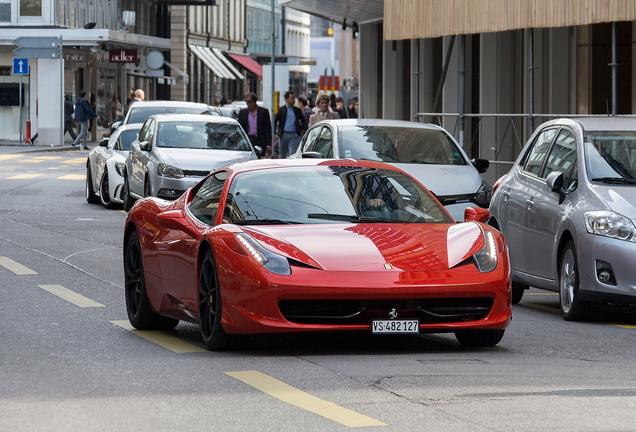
[
  {"x": 399, "y": 144},
  {"x": 611, "y": 156}
]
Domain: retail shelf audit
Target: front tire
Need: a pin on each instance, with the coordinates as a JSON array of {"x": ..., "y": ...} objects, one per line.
[
  {"x": 128, "y": 200},
  {"x": 572, "y": 308},
  {"x": 138, "y": 308},
  {"x": 210, "y": 307},
  {"x": 91, "y": 198},
  {"x": 479, "y": 338},
  {"x": 147, "y": 189},
  {"x": 104, "y": 192}
]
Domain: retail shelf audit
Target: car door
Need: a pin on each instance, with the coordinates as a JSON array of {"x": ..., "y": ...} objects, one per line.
[
  {"x": 544, "y": 211},
  {"x": 177, "y": 249},
  {"x": 517, "y": 194},
  {"x": 139, "y": 158}
]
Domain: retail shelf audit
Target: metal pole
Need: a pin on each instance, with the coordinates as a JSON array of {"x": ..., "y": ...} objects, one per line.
[
  {"x": 442, "y": 79},
  {"x": 273, "y": 66},
  {"x": 61, "y": 119},
  {"x": 462, "y": 87},
  {"x": 417, "y": 79},
  {"x": 20, "y": 96},
  {"x": 531, "y": 78},
  {"x": 614, "y": 67}
]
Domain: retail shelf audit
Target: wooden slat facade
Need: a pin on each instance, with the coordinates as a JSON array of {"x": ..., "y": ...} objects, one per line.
[{"x": 413, "y": 19}]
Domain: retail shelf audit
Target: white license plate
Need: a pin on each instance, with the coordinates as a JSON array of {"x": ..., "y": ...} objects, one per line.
[{"x": 410, "y": 326}]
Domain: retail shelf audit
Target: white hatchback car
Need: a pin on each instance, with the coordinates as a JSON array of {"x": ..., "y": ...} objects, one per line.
[{"x": 425, "y": 151}]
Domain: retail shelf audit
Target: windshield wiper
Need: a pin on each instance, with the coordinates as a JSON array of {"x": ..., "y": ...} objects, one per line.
[
  {"x": 617, "y": 180},
  {"x": 264, "y": 222},
  {"x": 352, "y": 218}
]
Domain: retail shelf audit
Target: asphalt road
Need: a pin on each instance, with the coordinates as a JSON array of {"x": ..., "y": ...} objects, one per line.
[{"x": 69, "y": 362}]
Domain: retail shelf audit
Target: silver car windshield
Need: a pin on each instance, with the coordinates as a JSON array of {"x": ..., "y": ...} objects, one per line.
[
  {"x": 611, "y": 156},
  {"x": 399, "y": 144},
  {"x": 141, "y": 114},
  {"x": 329, "y": 194},
  {"x": 202, "y": 135}
]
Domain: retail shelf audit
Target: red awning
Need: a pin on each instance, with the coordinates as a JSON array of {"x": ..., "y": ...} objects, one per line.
[{"x": 249, "y": 64}]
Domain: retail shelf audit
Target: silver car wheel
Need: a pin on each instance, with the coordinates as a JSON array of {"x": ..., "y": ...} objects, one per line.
[{"x": 567, "y": 280}]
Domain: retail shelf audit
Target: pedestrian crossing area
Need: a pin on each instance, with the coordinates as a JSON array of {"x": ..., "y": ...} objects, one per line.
[{"x": 33, "y": 166}]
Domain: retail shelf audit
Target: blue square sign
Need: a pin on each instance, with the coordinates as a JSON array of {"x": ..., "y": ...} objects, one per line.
[{"x": 20, "y": 66}]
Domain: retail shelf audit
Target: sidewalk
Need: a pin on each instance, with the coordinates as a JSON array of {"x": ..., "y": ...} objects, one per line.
[{"x": 15, "y": 146}]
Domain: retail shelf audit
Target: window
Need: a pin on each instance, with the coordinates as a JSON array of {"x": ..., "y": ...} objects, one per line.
[
  {"x": 31, "y": 8},
  {"x": 324, "y": 144},
  {"x": 205, "y": 203},
  {"x": 144, "y": 131},
  {"x": 307, "y": 143},
  {"x": 536, "y": 157},
  {"x": 562, "y": 157}
]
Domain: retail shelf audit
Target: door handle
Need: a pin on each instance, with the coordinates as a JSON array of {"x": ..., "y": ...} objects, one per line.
[
  {"x": 506, "y": 195},
  {"x": 529, "y": 202}
]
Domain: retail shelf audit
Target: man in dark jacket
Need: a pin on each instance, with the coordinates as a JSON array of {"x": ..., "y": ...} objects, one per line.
[
  {"x": 290, "y": 124},
  {"x": 83, "y": 114},
  {"x": 256, "y": 123},
  {"x": 68, "y": 117}
]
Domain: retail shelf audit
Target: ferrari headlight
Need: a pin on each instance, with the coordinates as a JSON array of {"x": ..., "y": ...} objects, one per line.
[
  {"x": 610, "y": 224},
  {"x": 120, "y": 168},
  {"x": 483, "y": 195},
  {"x": 486, "y": 259},
  {"x": 271, "y": 261},
  {"x": 165, "y": 170}
]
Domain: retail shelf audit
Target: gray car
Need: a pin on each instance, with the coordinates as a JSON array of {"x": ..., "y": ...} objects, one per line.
[
  {"x": 567, "y": 210},
  {"x": 425, "y": 151},
  {"x": 174, "y": 151}
]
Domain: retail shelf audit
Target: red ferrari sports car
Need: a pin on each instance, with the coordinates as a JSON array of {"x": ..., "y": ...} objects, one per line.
[{"x": 314, "y": 245}]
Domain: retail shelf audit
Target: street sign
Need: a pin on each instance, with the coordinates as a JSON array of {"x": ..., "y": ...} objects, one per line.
[
  {"x": 38, "y": 47},
  {"x": 20, "y": 66}
]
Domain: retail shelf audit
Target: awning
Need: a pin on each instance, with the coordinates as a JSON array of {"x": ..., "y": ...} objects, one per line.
[
  {"x": 227, "y": 63},
  {"x": 248, "y": 63},
  {"x": 212, "y": 62}
]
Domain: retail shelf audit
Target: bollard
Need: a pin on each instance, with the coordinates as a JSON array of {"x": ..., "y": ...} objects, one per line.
[{"x": 27, "y": 138}]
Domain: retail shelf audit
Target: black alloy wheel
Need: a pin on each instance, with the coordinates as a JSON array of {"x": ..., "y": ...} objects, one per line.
[
  {"x": 91, "y": 197},
  {"x": 128, "y": 200},
  {"x": 138, "y": 308},
  {"x": 104, "y": 192},
  {"x": 210, "y": 307}
]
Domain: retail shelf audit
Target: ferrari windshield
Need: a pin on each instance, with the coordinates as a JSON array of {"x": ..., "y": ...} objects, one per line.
[
  {"x": 202, "y": 135},
  {"x": 329, "y": 194},
  {"x": 611, "y": 156},
  {"x": 399, "y": 144}
]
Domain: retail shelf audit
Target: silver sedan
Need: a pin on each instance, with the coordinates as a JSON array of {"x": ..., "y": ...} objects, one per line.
[
  {"x": 174, "y": 151},
  {"x": 567, "y": 210}
]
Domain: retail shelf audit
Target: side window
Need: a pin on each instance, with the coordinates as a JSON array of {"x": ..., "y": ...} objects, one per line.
[
  {"x": 150, "y": 133},
  {"x": 536, "y": 157},
  {"x": 205, "y": 203},
  {"x": 144, "y": 131},
  {"x": 324, "y": 143},
  {"x": 562, "y": 157},
  {"x": 310, "y": 137}
]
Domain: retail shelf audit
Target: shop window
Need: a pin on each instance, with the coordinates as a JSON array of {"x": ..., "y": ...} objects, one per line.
[{"x": 5, "y": 11}]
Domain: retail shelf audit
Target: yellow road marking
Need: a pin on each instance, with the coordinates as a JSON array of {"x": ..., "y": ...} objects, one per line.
[
  {"x": 541, "y": 307},
  {"x": 74, "y": 161},
  {"x": 24, "y": 176},
  {"x": 293, "y": 396},
  {"x": 70, "y": 296},
  {"x": 10, "y": 156},
  {"x": 15, "y": 267},
  {"x": 48, "y": 157},
  {"x": 168, "y": 342},
  {"x": 72, "y": 177}
]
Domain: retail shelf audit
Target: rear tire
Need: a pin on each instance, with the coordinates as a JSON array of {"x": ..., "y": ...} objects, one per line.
[
  {"x": 91, "y": 198},
  {"x": 517, "y": 292},
  {"x": 129, "y": 201},
  {"x": 479, "y": 338},
  {"x": 104, "y": 192},
  {"x": 138, "y": 308}
]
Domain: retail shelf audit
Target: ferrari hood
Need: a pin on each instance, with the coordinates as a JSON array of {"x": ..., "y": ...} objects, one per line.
[
  {"x": 202, "y": 159},
  {"x": 373, "y": 247}
]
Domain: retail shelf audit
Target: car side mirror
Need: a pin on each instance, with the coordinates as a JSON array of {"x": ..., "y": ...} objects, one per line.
[
  {"x": 145, "y": 146},
  {"x": 555, "y": 183},
  {"x": 312, "y": 155},
  {"x": 259, "y": 151},
  {"x": 476, "y": 214},
  {"x": 481, "y": 165},
  {"x": 176, "y": 220},
  {"x": 115, "y": 125},
  {"x": 103, "y": 143}
]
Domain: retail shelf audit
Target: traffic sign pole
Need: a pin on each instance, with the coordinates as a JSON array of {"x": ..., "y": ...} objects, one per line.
[{"x": 20, "y": 102}]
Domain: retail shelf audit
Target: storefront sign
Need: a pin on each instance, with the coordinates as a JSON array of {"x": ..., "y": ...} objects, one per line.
[{"x": 123, "y": 55}]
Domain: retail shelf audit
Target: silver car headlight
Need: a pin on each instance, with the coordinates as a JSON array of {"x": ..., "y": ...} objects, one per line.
[
  {"x": 486, "y": 259},
  {"x": 120, "y": 167},
  {"x": 271, "y": 261},
  {"x": 165, "y": 170},
  {"x": 610, "y": 224}
]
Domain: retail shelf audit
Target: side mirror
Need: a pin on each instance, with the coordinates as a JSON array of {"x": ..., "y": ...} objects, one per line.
[
  {"x": 176, "y": 220},
  {"x": 476, "y": 214},
  {"x": 145, "y": 146},
  {"x": 104, "y": 142},
  {"x": 312, "y": 155},
  {"x": 555, "y": 183},
  {"x": 115, "y": 125},
  {"x": 481, "y": 165},
  {"x": 259, "y": 151}
]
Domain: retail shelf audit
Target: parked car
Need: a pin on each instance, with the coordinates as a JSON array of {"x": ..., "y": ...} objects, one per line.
[
  {"x": 139, "y": 111},
  {"x": 426, "y": 151},
  {"x": 567, "y": 209},
  {"x": 105, "y": 167},
  {"x": 314, "y": 245},
  {"x": 173, "y": 152}
]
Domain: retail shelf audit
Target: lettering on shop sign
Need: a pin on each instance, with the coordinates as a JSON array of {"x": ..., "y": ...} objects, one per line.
[{"x": 123, "y": 55}]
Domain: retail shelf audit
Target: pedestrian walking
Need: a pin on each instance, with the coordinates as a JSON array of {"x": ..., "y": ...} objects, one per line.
[
  {"x": 323, "y": 113},
  {"x": 256, "y": 123},
  {"x": 289, "y": 125},
  {"x": 83, "y": 114},
  {"x": 341, "y": 108},
  {"x": 68, "y": 117},
  {"x": 303, "y": 104}
]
